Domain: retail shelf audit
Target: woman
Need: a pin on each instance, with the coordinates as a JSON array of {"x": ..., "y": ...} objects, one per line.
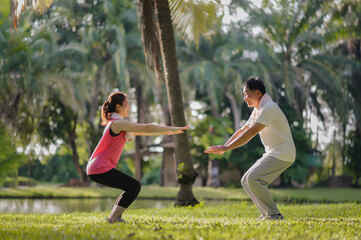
[{"x": 102, "y": 163}]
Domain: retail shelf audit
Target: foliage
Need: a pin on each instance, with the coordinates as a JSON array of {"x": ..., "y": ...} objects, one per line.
[
  {"x": 20, "y": 181},
  {"x": 299, "y": 170},
  {"x": 37, "y": 170},
  {"x": 4, "y": 10},
  {"x": 353, "y": 162},
  {"x": 214, "y": 131},
  {"x": 57, "y": 121},
  {"x": 208, "y": 132},
  {"x": 79, "y": 51},
  {"x": 195, "y": 19},
  {"x": 10, "y": 159},
  {"x": 152, "y": 170},
  {"x": 58, "y": 168},
  {"x": 326, "y": 221}
]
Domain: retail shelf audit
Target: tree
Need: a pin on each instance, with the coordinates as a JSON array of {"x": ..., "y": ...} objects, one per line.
[
  {"x": 161, "y": 45},
  {"x": 59, "y": 122},
  {"x": 294, "y": 30},
  {"x": 346, "y": 21},
  {"x": 84, "y": 65},
  {"x": 186, "y": 173}
]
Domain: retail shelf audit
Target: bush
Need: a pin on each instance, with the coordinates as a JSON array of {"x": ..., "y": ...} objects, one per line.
[{"x": 18, "y": 181}]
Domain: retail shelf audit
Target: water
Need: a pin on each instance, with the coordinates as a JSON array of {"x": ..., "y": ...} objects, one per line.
[{"x": 53, "y": 206}]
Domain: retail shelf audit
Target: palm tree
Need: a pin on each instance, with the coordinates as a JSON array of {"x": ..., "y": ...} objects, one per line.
[
  {"x": 345, "y": 24},
  {"x": 186, "y": 173},
  {"x": 310, "y": 71},
  {"x": 295, "y": 32},
  {"x": 158, "y": 36}
]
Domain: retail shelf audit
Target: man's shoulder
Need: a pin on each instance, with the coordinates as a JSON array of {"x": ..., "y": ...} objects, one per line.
[{"x": 271, "y": 105}]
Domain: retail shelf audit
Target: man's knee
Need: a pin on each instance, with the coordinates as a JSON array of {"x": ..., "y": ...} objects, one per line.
[
  {"x": 244, "y": 181},
  {"x": 255, "y": 179}
]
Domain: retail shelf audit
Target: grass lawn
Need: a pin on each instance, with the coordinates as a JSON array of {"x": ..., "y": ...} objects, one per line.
[
  {"x": 201, "y": 193},
  {"x": 305, "y": 221}
]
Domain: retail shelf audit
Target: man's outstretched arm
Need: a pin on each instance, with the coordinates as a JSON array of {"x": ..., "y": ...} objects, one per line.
[{"x": 241, "y": 140}]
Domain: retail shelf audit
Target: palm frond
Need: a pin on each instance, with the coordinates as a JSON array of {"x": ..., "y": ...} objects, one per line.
[
  {"x": 308, "y": 37},
  {"x": 66, "y": 89},
  {"x": 74, "y": 47},
  {"x": 150, "y": 36},
  {"x": 41, "y": 5},
  {"x": 195, "y": 18},
  {"x": 328, "y": 76}
]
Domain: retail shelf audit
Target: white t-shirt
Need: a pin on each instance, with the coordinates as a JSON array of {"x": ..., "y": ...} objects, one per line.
[{"x": 276, "y": 136}]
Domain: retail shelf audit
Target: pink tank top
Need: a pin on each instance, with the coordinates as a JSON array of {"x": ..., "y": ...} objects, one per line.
[{"x": 106, "y": 155}]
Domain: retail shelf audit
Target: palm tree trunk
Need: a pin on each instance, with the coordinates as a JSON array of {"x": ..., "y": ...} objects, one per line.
[{"x": 185, "y": 171}]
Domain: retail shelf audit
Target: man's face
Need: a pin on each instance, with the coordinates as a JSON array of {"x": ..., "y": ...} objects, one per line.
[{"x": 252, "y": 98}]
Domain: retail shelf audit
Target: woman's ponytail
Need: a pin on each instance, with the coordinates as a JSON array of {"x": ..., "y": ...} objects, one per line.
[
  {"x": 105, "y": 114},
  {"x": 109, "y": 106}
]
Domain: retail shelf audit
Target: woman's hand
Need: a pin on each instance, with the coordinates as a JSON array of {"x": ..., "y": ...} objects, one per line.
[
  {"x": 177, "y": 130},
  {"x": 219, "y": 149}
]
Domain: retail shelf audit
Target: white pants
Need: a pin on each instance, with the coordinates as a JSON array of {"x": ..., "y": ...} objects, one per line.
[{"x": 256, "y": 180}]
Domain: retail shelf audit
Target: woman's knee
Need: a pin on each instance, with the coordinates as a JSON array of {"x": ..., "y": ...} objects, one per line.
[
  {"x": 137, "y": 187},
  {"x": 134, "y": 187}
]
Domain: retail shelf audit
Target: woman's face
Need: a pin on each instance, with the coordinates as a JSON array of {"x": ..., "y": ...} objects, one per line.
[{"x": 123, "y": 110}]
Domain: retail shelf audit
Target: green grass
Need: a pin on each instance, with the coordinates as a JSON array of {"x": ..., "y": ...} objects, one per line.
[
  {"x": 306, "y": 221},
  {"x": 201, "y": 193}
]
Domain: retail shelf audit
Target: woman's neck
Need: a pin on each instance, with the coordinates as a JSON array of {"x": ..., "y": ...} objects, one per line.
[{"x": 116, "y": 115}]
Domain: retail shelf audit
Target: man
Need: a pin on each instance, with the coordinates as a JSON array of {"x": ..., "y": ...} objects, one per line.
[{"x": 268, "y": 120}]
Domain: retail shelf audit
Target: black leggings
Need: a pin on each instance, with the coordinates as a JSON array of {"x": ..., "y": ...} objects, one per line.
[{"x": 116, "y": 179}]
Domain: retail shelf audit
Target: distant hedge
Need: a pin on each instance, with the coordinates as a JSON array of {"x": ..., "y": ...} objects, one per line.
[{"x": 18, "y": 181}]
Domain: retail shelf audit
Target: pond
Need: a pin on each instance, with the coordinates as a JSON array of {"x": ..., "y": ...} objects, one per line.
[{"x": 53, "y": 206}]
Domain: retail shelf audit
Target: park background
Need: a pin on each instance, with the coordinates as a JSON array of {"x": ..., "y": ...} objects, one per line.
[
  {"x": 61, "y": 59},
  {"x": 182, "y": 62}
]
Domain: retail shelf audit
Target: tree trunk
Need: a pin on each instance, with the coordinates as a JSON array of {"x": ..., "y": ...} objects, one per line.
[
  {"x": 72, "y": 137},
  {"x": 354, "y": 47},
  {"x": 355, "y": 51},
  {"x": 333, "y": 173},
  {"x": 235, "y": 109},
  {"x": 168, "y": 175},
  {"x": 29, "y": 172},
  {"x": 93, "y": 130},
  {"x": 214, "y": 109},
  {"x": 185, "y": 171},
  {"x": 213, "y": 174},
  {"x": 138, "y": 161}
]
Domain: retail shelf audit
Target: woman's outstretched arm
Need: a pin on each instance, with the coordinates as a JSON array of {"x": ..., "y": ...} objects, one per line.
[{"x": 145, "y": 129}]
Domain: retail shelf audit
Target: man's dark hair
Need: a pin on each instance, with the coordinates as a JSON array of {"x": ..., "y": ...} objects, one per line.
[{"x": 254, "y": 83}]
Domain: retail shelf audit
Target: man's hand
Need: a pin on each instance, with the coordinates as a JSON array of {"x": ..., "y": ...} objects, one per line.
[{"x": 219, "y": 149}]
